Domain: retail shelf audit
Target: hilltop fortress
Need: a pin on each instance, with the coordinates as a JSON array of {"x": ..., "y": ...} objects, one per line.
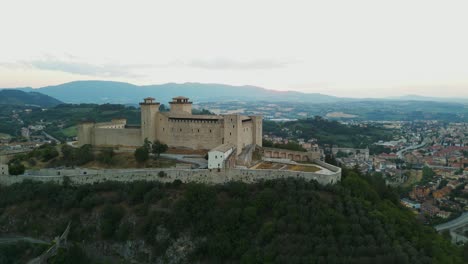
[
  {"x": 234, "y": 143},
  {"x": 178, "y": 128}
]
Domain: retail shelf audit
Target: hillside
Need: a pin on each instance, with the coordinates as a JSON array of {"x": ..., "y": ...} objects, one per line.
[
  {"x": 126, "y": 93},
  {"x": 282, "y": 221},
  {"x": 328, "y": 132},
  {"x": 17, "y": 97}
]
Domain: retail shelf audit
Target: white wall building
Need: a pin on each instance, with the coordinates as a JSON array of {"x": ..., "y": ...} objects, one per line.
[{"x": 218, "y": 155}]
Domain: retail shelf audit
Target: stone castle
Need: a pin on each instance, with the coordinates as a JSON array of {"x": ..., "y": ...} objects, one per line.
[{"x": 177, "y": 128}]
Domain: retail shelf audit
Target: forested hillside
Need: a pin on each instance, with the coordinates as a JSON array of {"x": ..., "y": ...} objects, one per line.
[
  {"x": 62, "y": 119},
  {"x": 283, "y": 221},
  {"x": 329, "y": 132},
  {"x": 16, "y": 97}
]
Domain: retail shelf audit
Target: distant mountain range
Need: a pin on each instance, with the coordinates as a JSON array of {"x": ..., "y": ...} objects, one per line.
[
  {"x": 413, "y": 97},
  {"x": 17, "y": 97},
  {"x": 126, "y": 93}
]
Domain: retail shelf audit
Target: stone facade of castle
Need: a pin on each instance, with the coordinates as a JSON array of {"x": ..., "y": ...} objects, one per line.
[{"x": 177, "y": 128}]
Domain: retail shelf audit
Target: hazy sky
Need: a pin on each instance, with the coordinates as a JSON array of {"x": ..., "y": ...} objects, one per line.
[{"x": 346, "y": 48}]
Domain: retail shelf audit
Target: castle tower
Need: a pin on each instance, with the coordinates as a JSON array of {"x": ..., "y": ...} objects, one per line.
[
  {"x": 181, "y": 105},
  {"x": 232, "y": 131},
  {"x": 85, "y": 133},
  {"x": 149, "y": 110},
  {"x": 257, "y": 130}
]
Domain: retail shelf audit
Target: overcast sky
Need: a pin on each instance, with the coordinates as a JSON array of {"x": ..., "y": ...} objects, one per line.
[{"x": 344, "y": 48}]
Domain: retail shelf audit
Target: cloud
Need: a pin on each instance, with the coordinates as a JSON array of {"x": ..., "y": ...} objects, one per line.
[
  {"x": 83, "y": 68},
  {"x": 75, "y": 65},
  {"x": 230, "y": 64}
]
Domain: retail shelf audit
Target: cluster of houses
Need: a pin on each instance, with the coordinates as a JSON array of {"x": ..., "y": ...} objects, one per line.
[
  {"x": 310, "y": 144},
  {"x": 433, "y": 199}
]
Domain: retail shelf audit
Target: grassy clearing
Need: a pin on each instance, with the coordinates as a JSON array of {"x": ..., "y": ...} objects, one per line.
[
  {"x": 302, "y": 168},
  {"x": 70, "y": 131},
  {"x": 127, "y": 160},
  {"x": 4, "y": 136},
  {"x": 269, "y": 166},
  {"x": 414, "y": 177}
]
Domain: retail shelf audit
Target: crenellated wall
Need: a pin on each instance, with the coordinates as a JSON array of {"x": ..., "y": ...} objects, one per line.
[{"x": 189, "y": 133}]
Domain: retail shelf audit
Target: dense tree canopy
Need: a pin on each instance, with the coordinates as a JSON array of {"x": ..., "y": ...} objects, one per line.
[{"x": 358, "y": 220}]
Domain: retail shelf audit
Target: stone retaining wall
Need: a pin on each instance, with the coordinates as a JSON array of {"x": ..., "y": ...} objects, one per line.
[{"x": 84, "y": 176}]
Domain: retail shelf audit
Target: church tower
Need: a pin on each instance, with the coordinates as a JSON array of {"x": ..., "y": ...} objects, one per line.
[{"x": 149, "y": 110}]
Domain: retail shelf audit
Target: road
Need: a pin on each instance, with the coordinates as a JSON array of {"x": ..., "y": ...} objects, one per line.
[
  {"x": 15, "y": 239},
  {"x": 200, "y": 161},
  {"x": 400, "y": 152},
  {"x": 455, "y": 223},
  {"x": 51, "y": 137}
]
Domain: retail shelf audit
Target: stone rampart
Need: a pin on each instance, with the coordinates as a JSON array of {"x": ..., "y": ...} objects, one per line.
[
  {"x": 84, "y": 176},
  {"x": 277, "y": 153}
]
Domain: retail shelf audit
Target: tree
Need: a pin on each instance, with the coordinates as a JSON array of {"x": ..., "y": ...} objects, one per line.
[
  {"x": 110, "y": 219},
  {"x": 48, "y": 152},
  {"x": 16, "y": 168},
  {"x": 159, "y": 147},
  {"x": 85, "y": 154},
  {"x": 141, "y": 154},
  {"x": 147, "y": 144},
  {"x": 330, "y": 159},
  {"x": 106, "y": 156},
  {"x": 341, "y": 154},
  {"x": 68, "y": 152},
  {"x": 267, "y": 143}
]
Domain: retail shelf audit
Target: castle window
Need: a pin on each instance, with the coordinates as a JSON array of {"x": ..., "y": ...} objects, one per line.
[
  {"x": 181, "y": 130},
  {"x": 198, "y": 130},
  {"x": 210, "y": 130},
  {"x": 230, "y": 133},
  {"x": 233, "y": 126}
]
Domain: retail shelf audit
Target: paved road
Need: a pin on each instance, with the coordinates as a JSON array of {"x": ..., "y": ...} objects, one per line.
[
  {"x": 51, "y": 137},
  {"x": 198, "y": 160},
  {"x": 400, "y": 152},
  {"x": 15, "y": 239},
  {"x": 455, "y": 223}
]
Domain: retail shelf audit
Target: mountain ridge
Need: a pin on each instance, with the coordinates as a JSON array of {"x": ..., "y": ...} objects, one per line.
[
  {"x": 99, "y": 91},
  {"x": 19, "y": 97}
]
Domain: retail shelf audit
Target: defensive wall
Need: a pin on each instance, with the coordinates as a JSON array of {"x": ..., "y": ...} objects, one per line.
[
  {"x": 85, "y": 176},
  {"x": 177, "y": 128},
  {"x": 278, "y": 153}
]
